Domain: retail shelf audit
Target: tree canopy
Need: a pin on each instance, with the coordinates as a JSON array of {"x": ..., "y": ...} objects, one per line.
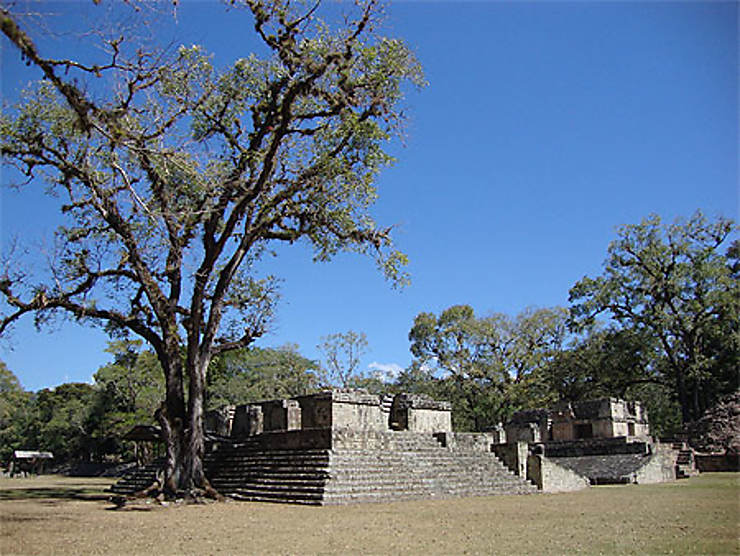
[
  {"x": 342, "y": 353},
  {"x": 492, "y": 366},
  {"x": 244, "y": 376},
  {"x": 675, "y": 289}
]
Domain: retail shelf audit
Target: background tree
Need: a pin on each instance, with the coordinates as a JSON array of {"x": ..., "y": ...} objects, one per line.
[
  {"x": 14, "y": 413},
  {"x": 672, "y": 289},
  {"x": 491, "y": 366},
  {"x": 164, "y": 164},
  {"x": 61, "y": 422},
  {"x": 342, "y": 354},
  {"x": 248, "y": 375},
  {"x": 128, "y": 391}
]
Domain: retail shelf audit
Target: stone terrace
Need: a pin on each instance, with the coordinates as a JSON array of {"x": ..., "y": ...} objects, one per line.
[{"x": 360, "y": 466}]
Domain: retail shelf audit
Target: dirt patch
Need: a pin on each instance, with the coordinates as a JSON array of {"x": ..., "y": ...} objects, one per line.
[{"x": 696, "y": 516}]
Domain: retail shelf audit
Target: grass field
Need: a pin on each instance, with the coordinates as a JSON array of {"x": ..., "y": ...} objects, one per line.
[{"x": 61, "y": 515}]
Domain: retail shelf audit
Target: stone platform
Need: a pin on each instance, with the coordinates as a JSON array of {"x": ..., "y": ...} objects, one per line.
[{"x": 338, "y": 466}]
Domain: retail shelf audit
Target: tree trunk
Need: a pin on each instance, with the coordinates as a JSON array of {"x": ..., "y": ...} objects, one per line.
[
  {"x": 171, "y": 417},
  {"x": 196, "y": 480},
  {"x": 174, "y": 439},
  {"x": 683, "y": 398}
]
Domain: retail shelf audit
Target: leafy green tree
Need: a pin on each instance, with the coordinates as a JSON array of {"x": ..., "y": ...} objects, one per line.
[
  {"x": 128, "y": 392},
  {"x": 417, "y": 378},
  {"x": 614, "y": 362},
  {"x": 673, "y": 289},
  {"x": 244, "y": 376},
  {"x": 14, "y": 413},
  {"x": 492, "y": 366},
  {"x": 61, "y": 423},
  {"x": 175, "y": 177},
  {"x": 586, "y": 369},
  {"x": 342, "y": 355}
]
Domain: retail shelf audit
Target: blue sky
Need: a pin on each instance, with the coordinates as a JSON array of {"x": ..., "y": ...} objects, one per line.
[{"x": 545, "y": 126}]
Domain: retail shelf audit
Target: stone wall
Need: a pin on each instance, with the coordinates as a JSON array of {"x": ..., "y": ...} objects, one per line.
[
  {"x": 529, "y": 425},
  {"x": 342, "y": 409},
  {"x": 469, "y": 441},
  {"x": 524, "y": 432},
  {"x": 514, "y": 455},
  {"x": 248, "y": 421},
  {"x": 717, "y": 462},
  {"x": 661, "y": 466},
  {"x": 419, "y": 413},
  {"x": 551, "y": 477},
  {"x": 316, "y": 410},
  {"x": 220, "y": 421},
  {"x": 593, "y": 447}
]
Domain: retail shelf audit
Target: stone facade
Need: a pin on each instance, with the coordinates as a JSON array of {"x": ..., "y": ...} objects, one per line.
[
  {"x": 335, "y": 409},
  {"x": 532, "y": 425},
  {"x": 418, "y": 413},
  {"x": 551, "y": 477},
  {"x": 592, "y": 442},
  {"x": 602, "y": 418}
]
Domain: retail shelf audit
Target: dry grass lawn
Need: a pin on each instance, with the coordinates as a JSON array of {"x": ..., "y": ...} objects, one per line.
[{"x": 60, "y": 515}]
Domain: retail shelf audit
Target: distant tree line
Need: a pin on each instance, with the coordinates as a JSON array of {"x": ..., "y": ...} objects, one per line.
[{"x": 660, "y": 324}]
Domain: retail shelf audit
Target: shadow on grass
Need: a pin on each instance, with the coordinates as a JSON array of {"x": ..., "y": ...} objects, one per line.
[{"x": 53, "y": 493}]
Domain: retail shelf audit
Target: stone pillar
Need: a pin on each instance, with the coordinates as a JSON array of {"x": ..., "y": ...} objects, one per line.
[
  {"x": 248, "y": 421},
  {"x": 522, "y": 453},
  {"x": 293, "y": 411}
]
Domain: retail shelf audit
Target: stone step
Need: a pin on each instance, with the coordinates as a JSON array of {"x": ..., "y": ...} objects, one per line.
[
  {"x": 382, "y": 467},
  {"x": 303, "y": 486},
  {"x": 418, "y": 466},
  {"x": 256, "y": 455},
  {"x": 276, "y": 495},
  {"x": 426, "y": 486},
  {"x": 365, "y": 497}
]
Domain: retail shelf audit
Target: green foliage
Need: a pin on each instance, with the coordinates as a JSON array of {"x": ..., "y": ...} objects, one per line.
[
  {"x": 244, "y": 376},
  {"x": 14, "y": 413},
  {"x": 673, "y": 289},
  {"x": 489, "y": 367},
  {"x": 128, "y": 391},
  {"x": 61, "y": 421}
]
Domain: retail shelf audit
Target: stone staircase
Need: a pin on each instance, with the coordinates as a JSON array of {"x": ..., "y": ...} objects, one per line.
[
  {"x": 360, "y": 467},
  {"x": 685, "y": 466},
  {"x": 244, "y": 471},
  {"x": 138, "y": 478}
]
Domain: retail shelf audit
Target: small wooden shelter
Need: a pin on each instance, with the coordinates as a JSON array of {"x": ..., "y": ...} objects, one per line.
[
  {"x": 147, "y": 440},
  {"x": 25, "y": 462}
]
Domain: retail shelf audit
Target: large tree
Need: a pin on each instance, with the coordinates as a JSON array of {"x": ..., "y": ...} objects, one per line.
[
  {"x": 492, "y": 365},
  {"x": 174, "y": 178},
  {"x": 676, "y": 288}
]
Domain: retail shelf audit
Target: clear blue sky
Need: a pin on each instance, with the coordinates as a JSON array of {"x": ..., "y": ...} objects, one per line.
[{"x": 544, "y": 127}]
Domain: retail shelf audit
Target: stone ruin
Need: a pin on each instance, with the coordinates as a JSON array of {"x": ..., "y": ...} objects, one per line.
[
  {"x": 566, "y": 421},
  {"x": 715, "y": 437},
  {"x": 603, "y": 441},
  {"x": 333, "y": 409},
  {"x": 342, "y": 446}
]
